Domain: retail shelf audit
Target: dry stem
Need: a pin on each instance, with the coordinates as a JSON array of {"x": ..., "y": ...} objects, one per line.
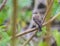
[
  {"x": 3, "y": 4},
  {"x": 29, "y": 39},
  {"x": 14, "y": 23},
  {"x": 33, "y": 29},
  {"x": 47, "y": 11}
]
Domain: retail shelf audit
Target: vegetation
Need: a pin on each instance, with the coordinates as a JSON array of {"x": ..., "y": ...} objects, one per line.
[{"x": 15, "y": 16}]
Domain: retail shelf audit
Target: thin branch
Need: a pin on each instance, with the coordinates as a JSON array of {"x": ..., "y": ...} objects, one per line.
[
  {"x": 3, "y": 4},
  {"x": 27, "y": 31},
  {"x": 52, "y": 19},
  {"x": 34, "y": 29},
  {"x": 29, "y": 39},
  {"x": 47, "y": 11},
  {"x": 48, "y": 25}
]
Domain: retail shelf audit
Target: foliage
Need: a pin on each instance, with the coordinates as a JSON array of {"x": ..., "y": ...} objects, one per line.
[
  {"x": 56, "y": 35},
  {"x": 4, "y": 38},
  {"x": 56, "y": 8},
  {"x": 24, "y": 16},
  {"x": 25, "y": 3}
]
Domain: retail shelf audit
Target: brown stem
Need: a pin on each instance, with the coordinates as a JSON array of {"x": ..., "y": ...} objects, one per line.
[
  {"x": 29, "y": 39},
  {"x": 34, "y": 29},
  {"x": 48, "y": 26},
  {"x": 27, "y": 31},
  {"x": 47, "y": 11},
  {"x": 52, "y": 19},
  {"x": 3, "y": 4},
  {"x": 14, "y": 22}
]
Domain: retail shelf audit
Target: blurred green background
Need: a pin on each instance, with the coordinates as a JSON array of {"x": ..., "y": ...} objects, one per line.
[{"x": 24, "y": 16}]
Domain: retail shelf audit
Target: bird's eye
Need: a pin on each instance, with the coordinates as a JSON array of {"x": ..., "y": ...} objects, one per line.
[{"x": 41, "y": 6}]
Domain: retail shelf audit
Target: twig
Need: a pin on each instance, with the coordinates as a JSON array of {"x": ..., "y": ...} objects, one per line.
[
  {"x": 52, "y": 19},
  {"x": 3, "y": 4},
  {"x": 47, "y": 11},
  {"x": 30, "y": 39},
  {"x": 48, "y": 26},
  {"x": 27, "y": 31},
  {"x": 14, "y": 23},
  {"x": 43, "y": 25},
  {"x": 33, "y": 29}
]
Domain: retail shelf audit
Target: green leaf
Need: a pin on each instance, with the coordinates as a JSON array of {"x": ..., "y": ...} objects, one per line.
[
  {"x": 42, "y": 44},
  {"x": 5, "y": 38},
  {"x": 56, "y": 35}
]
